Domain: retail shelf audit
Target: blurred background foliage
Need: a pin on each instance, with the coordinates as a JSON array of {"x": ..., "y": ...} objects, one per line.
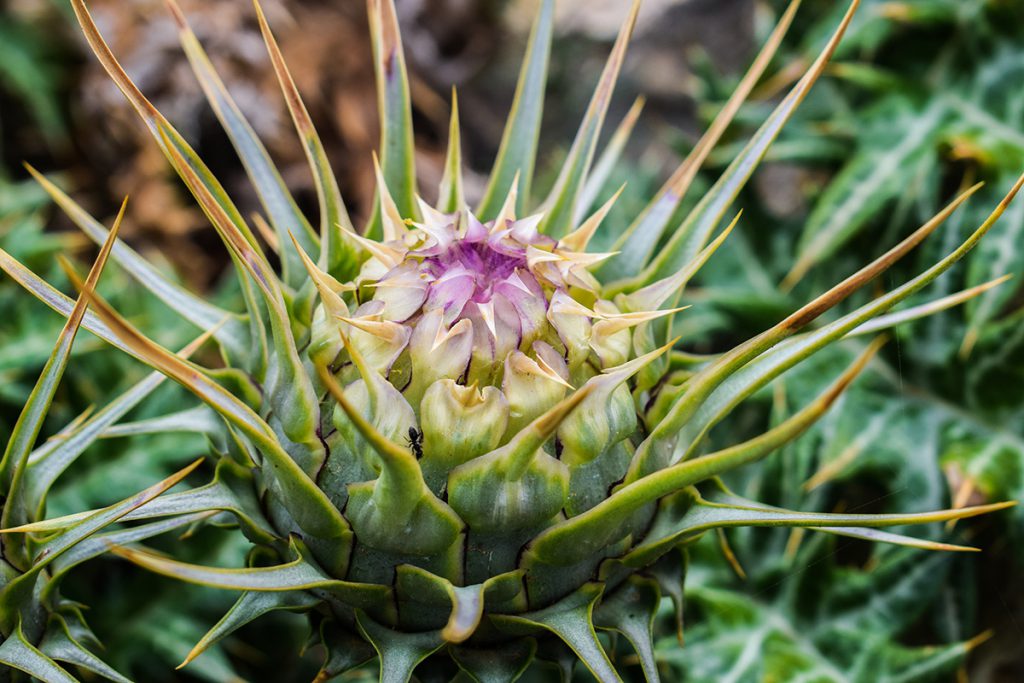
[{"x": 924, "y": 98}]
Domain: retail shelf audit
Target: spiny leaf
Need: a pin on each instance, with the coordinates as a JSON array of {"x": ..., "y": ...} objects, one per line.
[
  {"x": 100, "y": 544},
  {"x": 194, "y": 309},
  {"x": 53, "y": 457},
  {"x": 18, "y": 592},
  {"x": 60, "y": 645},
  {"x": 296, "y": 575},
  {"x": 16, "y": 652},
  {"x": 57, "y": 301},
  {"x": 250, "y": 606},
  {"x": 399, "y": 653},
  {"x": 30, "y": 422},
  {"x": 309, "y": 506},
  {"x": 630, "y": 610},
  {"x": 287, "y": 385},
  {"x": 608, "y": 160},
  {"x": 450, "y": 196},
  {"x": 345, "y": 650},
  {"x": 889, "y": 320},
  {"x": 691, "y": 236},
  {"x": 662, "y": 443},
  {"x": 589, "y": 532},
  {"x": 217, "y": 496},
  {"x": 867, "y": 534},
  {"x": 204, "y": 186},
  {"x": 198, "y": 420},
  {"x": 637, "y": 243},
  {"x": 571, "y": 619},
  {"x": 518, "y": 150},
  {"x": 270, "y": 188},
  {"x": 702, "y": 516},
  {"x": 397, "y": 150},
  {"x": 338, "y": 255},
  {"x": 163, "y": 132},
  {"x": 742, "y": 382},
  {"x": 876, "y": 325},
  {"x": 560, "y": 206}
]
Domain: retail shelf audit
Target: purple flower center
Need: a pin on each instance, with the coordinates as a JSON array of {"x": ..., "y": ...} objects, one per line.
[{"x": 479, "y": 264}]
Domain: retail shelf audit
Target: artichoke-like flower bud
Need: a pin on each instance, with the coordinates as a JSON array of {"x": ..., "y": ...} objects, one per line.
[
  {"x": 437, "y": 352},
  {"x": 607, "y": 417},
  {"x": 571, "y": 321},
  {"x": 517, "y": 486},
  {"x": 324, "y": 341},
  {"x": 531, "y": 386},
  {"x": 459, "y": 423},
  {"x": 382, "y": 406},
  {"x": 379, "y": 341}
]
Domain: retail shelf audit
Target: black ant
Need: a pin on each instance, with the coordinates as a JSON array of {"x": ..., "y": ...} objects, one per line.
[{"x": 415, "y": 441}]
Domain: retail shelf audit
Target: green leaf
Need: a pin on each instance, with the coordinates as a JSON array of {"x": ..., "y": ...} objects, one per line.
[
  {"x": 57, "y": 301},
  {"x": 561, "y": 205},
  {"x": 700, "y": 224},
  {"x": 17, "y": 592},
  {"x": 17, "y": 509},
  {"x": 678, "y": 432},
  {"x": 312, "y": 511},
  {"x": 571, "y": 619},
  {"x": 206, "y": 189},
  {"x": 287, "y": 385},
  {"x": 518, "y": 150},
  {"x": 296, "y": 575},
  {"x": 250, "y": 606},
  {"x": 749, "y": 639},
  {"x": 397, "y": 150},
  {"x": 285, "y": 216},
  {"x": 100, "y": 544},
  {"x": 631, "y": 610},
  {"x": 701, "y": 516},
  {"x": 16, "y": 652},
  {"x": 399, "y": 653},
  {"x": 198, "y": 420},
  {"x": 743, "y": 382},
  {"x": 346, "y": 650},
  {"x": 637, "y": 243},
  {"x": 223, "y": 494},
  {"x": 61, "y": 646},
  {"x": 338, "y": 255},
  {"x": 230, "y": 332},
  {"x": 47, "y": 462}
]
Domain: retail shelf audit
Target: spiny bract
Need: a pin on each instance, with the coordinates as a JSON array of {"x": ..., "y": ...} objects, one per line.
[{"x": 455, "y": 436}]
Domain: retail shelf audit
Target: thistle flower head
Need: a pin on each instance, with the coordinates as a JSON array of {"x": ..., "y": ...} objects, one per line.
[{"x": 460, "y": 431}]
